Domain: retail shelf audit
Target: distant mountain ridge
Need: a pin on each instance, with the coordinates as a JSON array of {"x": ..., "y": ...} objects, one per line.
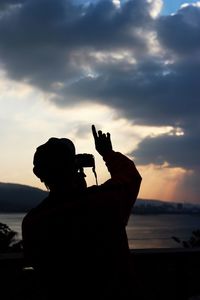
[{"x": 21, "y": 198}]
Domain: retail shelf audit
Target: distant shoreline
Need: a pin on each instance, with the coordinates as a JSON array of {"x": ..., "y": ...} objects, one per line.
[
  {"x": 132, "y": 213},
  {"x": 166, "y": 213}
]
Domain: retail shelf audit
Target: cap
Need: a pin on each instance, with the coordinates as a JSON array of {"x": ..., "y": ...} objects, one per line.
[{"x": 53, "y": 155}]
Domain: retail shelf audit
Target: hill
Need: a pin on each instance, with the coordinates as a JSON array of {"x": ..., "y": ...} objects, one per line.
[{"x": 19, "y": 197}]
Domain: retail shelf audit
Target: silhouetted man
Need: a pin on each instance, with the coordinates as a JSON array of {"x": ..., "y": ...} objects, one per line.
[{"x": 76, "y": 238}]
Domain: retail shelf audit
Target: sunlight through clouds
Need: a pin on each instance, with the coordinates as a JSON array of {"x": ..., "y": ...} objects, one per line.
[
  {"x": 35, "y": 120},
  {"x": 116, "y": 3},
  {"x": 118, "y": 64},
  {"x": 156, "y": 7},
  {"x": 161, "y": 181}
]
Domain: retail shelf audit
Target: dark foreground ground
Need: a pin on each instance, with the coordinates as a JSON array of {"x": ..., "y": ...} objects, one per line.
[{"x": 166, "y": 274}]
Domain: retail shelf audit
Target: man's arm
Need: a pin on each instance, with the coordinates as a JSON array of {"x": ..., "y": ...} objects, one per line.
[{"x": 124, "y": 184}]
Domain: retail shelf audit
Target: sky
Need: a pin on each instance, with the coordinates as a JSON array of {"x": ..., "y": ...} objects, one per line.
[{"x": 130, "y": 67}]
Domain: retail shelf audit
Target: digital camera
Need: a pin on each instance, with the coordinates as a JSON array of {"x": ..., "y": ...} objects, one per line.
[{"x": 85, "y": 160}]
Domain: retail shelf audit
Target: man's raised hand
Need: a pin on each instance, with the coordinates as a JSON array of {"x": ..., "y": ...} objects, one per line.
[{"x": 102, "y": 141}]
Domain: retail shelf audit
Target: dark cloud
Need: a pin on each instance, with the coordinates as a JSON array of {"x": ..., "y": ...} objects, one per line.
[
  {"x": 175, "y": 148},
  {"x": 145, "y": 94},
  {"x": 100, "y": 53},
  {"x": 40, "y": 38},
  {"x": 180, "y": 32},
  {"x": 9, "y": 4}
]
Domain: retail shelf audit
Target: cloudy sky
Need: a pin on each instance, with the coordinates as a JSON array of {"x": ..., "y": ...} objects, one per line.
[{"x": 131, "y": 67}]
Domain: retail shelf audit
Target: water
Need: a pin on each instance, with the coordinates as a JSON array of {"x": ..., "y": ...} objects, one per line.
[
  {"x": 14, "y": 221},
  {"x": 144, "y": 231},
  {"x": 156, "y": 231}
]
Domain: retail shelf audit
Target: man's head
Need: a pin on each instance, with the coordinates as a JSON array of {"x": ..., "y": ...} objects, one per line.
[{"x": 54, "y": 161}]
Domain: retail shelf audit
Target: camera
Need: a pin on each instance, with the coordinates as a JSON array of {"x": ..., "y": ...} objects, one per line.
[{"x": 85, "y": 160}]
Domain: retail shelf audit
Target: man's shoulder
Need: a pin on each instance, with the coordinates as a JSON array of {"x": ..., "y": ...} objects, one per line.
[
  {"x": 94, "y": 189},
  {"x": 35, "y": 210},
  {"x": 99, "y": 189}
]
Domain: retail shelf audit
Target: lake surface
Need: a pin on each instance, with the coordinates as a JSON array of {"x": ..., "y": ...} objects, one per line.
[
  {"x": 144, "y": 231},
  {"x": 156, "y": 231}
]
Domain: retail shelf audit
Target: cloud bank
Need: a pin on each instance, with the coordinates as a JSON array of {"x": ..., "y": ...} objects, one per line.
[{"x": 129, "y": 57}]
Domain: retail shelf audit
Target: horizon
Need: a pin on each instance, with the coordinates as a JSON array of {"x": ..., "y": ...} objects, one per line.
[
  {"x": 119, "y": 65},
  {"x": 137, "y": 200}
]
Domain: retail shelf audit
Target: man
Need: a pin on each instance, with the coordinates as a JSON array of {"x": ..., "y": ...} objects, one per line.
[{"x": 76, "y": 238}]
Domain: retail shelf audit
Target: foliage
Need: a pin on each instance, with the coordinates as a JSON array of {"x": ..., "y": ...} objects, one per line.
[
  {"x": 8, "y": 239},
  {"x": 193, "y": 242}
]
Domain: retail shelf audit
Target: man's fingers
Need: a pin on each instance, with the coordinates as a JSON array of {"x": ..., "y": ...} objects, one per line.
[
  {"x": 100, "y": 133},
  {"x": 94, "y": 132}
]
